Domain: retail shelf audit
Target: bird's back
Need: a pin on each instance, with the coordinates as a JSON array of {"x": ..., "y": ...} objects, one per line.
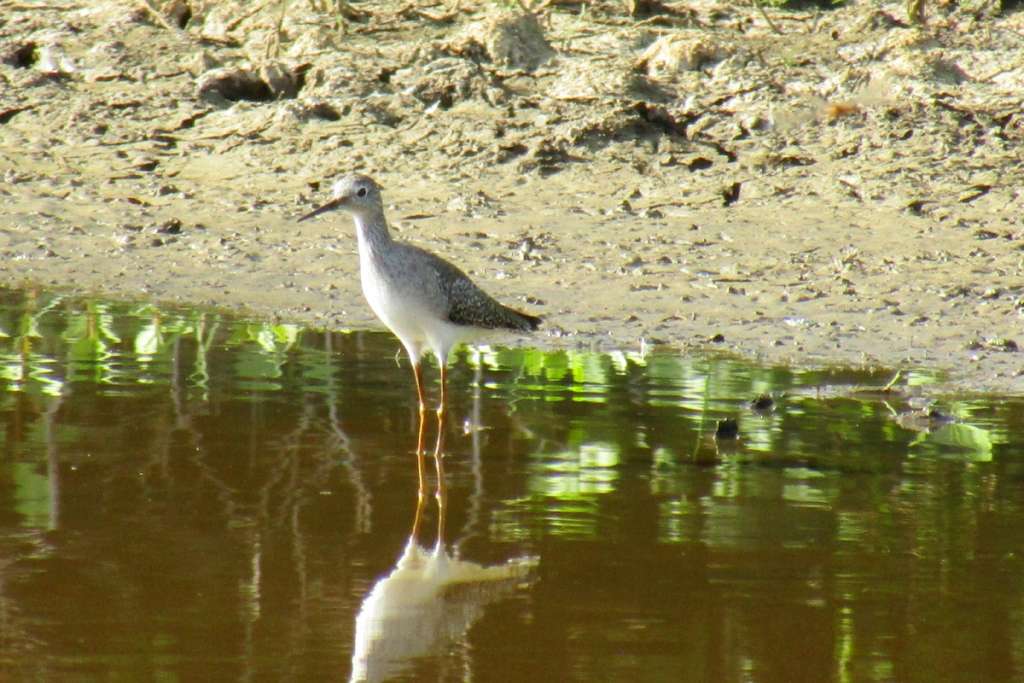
[{"x": 469, "y": 305}]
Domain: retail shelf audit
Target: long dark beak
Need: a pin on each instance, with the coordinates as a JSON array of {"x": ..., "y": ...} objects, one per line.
[{"x": 333, "y": 204}]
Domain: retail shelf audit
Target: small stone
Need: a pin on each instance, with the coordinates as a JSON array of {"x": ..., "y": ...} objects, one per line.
[
  {"x": 170, "y": 227},
  {"x": 509, "y": 39},
  {"x": 729, "y": 429}
]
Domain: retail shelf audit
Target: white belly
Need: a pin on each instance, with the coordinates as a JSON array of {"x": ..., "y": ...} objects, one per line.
[{"x": 413, "y": 319}]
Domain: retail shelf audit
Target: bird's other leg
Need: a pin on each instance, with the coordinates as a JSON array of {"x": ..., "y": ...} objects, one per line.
[
  {"x": 417, "y": 372},
  {"x": 442, "y": 409},
  {"x": 442, "y": 509},
  {"x": 421, "y": 502}
]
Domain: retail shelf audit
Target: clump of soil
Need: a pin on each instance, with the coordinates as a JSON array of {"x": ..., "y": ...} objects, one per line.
[{"x": 846, "y": 192}]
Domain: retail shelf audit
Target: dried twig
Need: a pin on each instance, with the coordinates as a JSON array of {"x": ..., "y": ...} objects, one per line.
[
  {"x": 760, "y": 7},
  {"x": 162, "y": 20},
  {"x": 233, "y": 24},
  {"x": 892, "y": 382},
  {"x": 915, "y": 12}
]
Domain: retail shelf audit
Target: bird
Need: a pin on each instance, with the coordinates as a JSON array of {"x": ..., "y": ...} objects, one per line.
[{"x": 429, "y": 303}]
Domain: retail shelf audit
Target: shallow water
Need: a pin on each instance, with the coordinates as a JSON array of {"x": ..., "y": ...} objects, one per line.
[{"x": 188, "y": 496}]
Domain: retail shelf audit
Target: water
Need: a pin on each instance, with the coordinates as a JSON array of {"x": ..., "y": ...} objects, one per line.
[{"x": 186, "y": 496}]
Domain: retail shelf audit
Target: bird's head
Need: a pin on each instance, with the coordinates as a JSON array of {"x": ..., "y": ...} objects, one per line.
[{"x": 357, "y": 194}]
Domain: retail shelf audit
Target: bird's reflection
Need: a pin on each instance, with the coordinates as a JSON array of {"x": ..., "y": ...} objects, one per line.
[{"x": 428, "y": 601}]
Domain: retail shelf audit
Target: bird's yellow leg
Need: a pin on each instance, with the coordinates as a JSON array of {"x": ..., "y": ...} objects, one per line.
[
  {"x": 417, "y": 371},
  {"x": 442, "y": 490}
]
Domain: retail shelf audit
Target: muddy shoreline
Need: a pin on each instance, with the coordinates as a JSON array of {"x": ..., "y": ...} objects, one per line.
[{"x": 847, "y": 193}]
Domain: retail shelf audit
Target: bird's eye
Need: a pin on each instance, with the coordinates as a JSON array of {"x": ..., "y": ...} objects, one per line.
[{"x": 361, "y": 192}]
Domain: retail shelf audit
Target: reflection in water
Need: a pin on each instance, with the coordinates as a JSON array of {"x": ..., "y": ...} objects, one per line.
[
  {"x": 428, "y": 601},
  {"x": 430, "y": 598},
  {"x": 186, "y": 496}
]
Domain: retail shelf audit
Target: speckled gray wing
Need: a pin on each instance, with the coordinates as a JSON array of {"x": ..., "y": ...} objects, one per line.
[{"x": 472, "y": 306}]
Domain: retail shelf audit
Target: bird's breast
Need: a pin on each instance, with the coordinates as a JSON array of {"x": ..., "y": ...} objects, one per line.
[{"x": 402, "y": 303}]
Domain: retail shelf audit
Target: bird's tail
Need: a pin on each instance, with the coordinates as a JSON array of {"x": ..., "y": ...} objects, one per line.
[{"x": 523, "y": 321}]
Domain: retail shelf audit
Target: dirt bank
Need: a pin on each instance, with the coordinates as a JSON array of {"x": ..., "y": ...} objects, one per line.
[{"x": 848, "y": 190}]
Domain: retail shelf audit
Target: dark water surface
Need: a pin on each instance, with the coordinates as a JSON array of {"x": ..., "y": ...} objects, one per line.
[{"x": 184, "y": 496}]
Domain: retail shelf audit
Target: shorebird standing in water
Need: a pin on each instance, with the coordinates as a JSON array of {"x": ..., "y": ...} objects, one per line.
[{"x": 427, "y": 302}]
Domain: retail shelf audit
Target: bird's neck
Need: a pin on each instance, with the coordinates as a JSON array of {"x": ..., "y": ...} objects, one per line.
[{"x": 372, "y": 231}]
